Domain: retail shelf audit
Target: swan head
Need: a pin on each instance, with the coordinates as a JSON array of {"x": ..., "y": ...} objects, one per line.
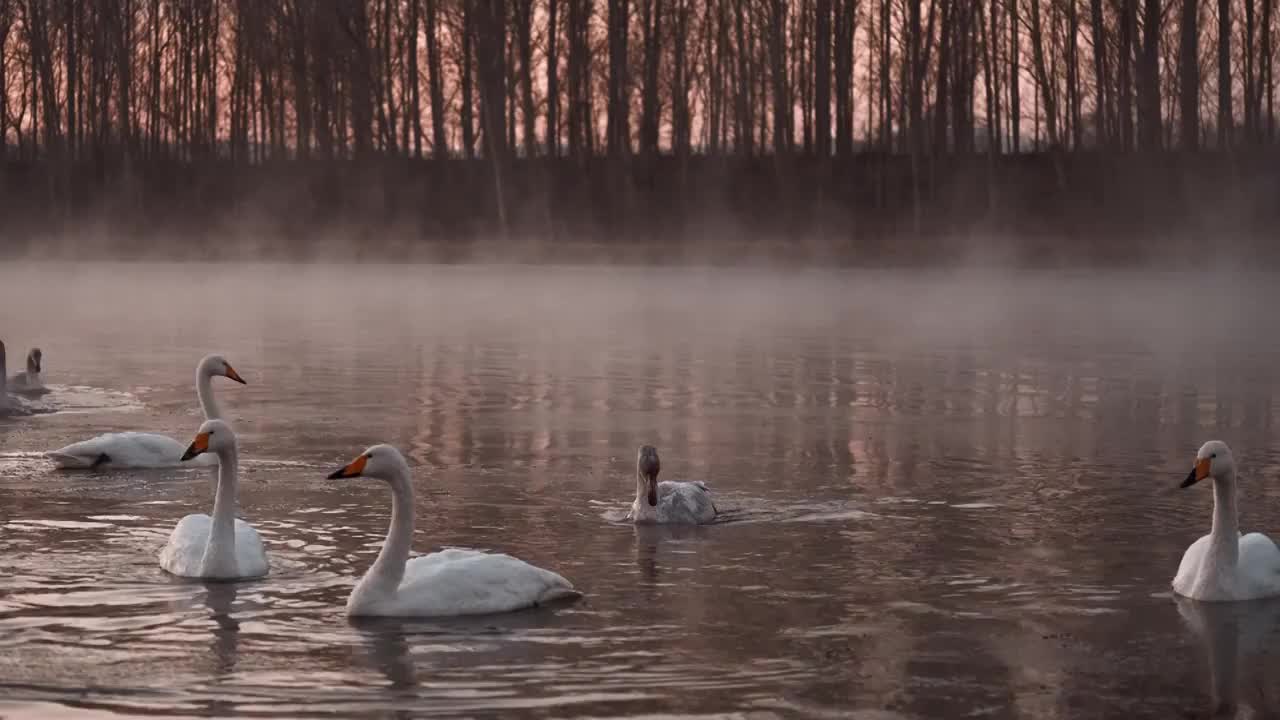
[
  {"x": 214, "y": 436},
  {"x": 382, "y": 462},
  {"x": 1213, "y": 461},
  {"x": 34, "y": 359},
  {"x": 647, "y": 467},
  {"x": 218, "y": 365}
]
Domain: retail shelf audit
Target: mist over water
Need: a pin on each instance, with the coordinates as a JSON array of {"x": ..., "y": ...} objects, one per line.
[{"x": 947, "y": 492}]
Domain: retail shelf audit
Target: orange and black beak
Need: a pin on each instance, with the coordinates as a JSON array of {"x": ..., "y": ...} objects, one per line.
[
  {"x": 354, "y": 469},
  {"x": 1198, "y": 473},
  {"x": 231, "y": 373},
  {"x": 199, "y": 446}
]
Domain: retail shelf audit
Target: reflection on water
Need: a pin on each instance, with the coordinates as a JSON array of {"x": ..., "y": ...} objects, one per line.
[
  {"x": 942, "y": 495},
  {"x": 1237, "y": 639}
]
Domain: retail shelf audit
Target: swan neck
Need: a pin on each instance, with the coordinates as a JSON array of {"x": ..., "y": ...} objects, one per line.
[
  {"x": 204, "y": 391},
  {"x": 224, "y": 499},
  {"x": 388, "y": 569},
  {"x": 220, "y": 551},
  {"x": 1225, "y": 536}
]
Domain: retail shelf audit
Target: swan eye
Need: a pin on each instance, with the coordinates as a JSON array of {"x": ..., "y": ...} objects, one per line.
[{"x": 1213, "y": 455}]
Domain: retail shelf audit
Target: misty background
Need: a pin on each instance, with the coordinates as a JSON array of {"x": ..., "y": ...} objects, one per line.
[{"x": 855, "y": 131}]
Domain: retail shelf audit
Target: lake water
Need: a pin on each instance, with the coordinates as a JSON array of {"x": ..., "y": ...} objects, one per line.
[{"x": 945, "y": 494}]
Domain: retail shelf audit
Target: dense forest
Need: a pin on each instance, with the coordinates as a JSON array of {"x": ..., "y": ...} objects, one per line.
[{"x": 859, "y": 121}]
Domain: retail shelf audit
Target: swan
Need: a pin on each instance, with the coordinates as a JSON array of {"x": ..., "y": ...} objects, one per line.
[
  {"x": 1223, "y": 566},
  {"x": 32, "y": 381},
  {"x": 668, "y": 501},
  {"x": 147, "y": 450},
  {"x": 220, "y": 547},
  {"x": 10, "y": 406},
  {"x": 448, "y": 582}
]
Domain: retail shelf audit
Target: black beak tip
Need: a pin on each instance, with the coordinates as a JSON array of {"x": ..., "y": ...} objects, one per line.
[
  {"x": 190, "y": 453},
  {"x": 240, "y": 380},
  {"x": 336, "y": 474},
  {"x": 1191, "y": 480}
]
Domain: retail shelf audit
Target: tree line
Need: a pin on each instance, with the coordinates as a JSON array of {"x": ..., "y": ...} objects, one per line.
[{"x": 252, "y": 80}]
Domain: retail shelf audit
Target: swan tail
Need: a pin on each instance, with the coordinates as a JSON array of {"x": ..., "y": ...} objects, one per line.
[
  {"x": 67, "y": 460},
  {"x": 557, "y": 593}
]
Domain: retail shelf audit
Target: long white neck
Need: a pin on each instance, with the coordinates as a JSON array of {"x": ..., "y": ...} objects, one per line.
[
  {"x": 204, "y": 391},
  {"x": 641, "y": 509},
  {"x": 1224, "y": 539},
  {"x": 388, "y": 569},
  {"x": 220, "y": 554}
]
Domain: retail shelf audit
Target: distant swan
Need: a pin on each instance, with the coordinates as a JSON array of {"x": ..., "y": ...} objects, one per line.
[
  {"x": 10, "y": 406},
  {"x": 667, "y": 501},
  {"x": 217, "y": 547},
  {"x": 1223, "y": 566},
  {"x": 449, "y": 582},
  {"x": 147, "y": 450},
  {"x": 32, "y": 381}
]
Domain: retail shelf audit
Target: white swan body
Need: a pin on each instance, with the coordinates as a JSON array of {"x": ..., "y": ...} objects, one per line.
[
  {"x": 1223, "y": 566},
  {"x": 32, "y": 380},
  {"x": 217, "y": 546},
  {"x": 147, "y": 450},
  {"x": 10, "y": 405},
  {"x": 668, "y": 502},
  {"x": 449, "y": 582}
]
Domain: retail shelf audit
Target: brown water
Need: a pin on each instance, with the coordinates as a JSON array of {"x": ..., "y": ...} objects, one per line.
[{"x": 945, "y": 494}]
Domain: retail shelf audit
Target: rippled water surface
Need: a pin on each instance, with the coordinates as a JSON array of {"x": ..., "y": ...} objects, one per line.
[{"x": 945, "y": 495}]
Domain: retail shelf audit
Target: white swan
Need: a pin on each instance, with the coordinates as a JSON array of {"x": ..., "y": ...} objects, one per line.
[
  {"x": 32, "y": 380},
  {"x": 449, "y": 582},
  {"x": 686, "y": 503},
  {"x": 1223, "y": 566},
  {"x": 217, "y": 547},
  {"x": 147, "y": 450},
  {"x": 10, "y": 406}
]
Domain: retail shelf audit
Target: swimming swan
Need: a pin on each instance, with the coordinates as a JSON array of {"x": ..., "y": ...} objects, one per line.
[
  {"x": 30, "y": 382},
  {"x": 147, "y": 450},
  {"x": 10, "y": 406},
  {"x": 220, "y": 547},
  {"x": 449, "y": 582},
  {"x": 667, "y": 501},
  {"x": 1223, "y": 566}
]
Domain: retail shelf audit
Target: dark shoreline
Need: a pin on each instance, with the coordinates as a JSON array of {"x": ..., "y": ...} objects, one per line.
[{"x": 1045, "y": 209}]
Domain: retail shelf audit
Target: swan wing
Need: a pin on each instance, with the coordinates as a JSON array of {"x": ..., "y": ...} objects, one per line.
[
  {"x": 183, "y": 555},
  {"x": 125, "y": 449},
  {"x": 1259, "y": 566},
  {"x": 251, "y": 556},
  {"x": 685, "y": 502},
  {"x": 472, "y": 582}
]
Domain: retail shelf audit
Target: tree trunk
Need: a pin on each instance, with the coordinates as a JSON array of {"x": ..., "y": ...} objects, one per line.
[
  {"x": 618, "y": 132},
  {"x": 680, "y": 116},
  {"x": 651, "y": 18},
  {"x": 1043, "y": 78},
  {"x": 468, "y": 95},
  {"x": 553, "y": 80},
  {"x": 822, "y": 78},
  {"x": 1224, "y": 73},
  {"x": 415, "y": 95},
  {"x": 524, "y": 44},
  {"x": 846, "y": 14},
  {"x": 1128, "y": 31},
  {"x": 1189, "y": 74},
  {"x": 1101, "y": 101},
  {"x": 435, "y": 82},
  {"x": 490, "y": 30}
]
